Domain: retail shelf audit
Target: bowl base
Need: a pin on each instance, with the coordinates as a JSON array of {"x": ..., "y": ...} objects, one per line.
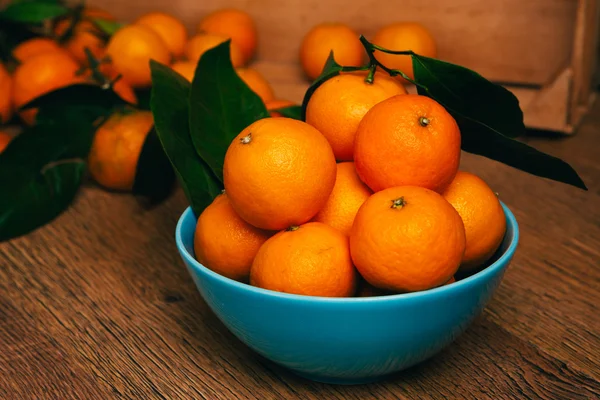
[{"x": 341, "y": 381}]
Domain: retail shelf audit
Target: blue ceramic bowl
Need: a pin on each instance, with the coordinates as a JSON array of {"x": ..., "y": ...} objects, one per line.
[{"x": 346, "y": 340}]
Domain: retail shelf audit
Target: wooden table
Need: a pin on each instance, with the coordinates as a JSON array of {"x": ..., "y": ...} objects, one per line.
[{"x": 98, "y": 305}]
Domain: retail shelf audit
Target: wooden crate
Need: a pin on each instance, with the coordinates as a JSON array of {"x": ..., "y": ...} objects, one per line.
[{"x": 542, "y": 50}]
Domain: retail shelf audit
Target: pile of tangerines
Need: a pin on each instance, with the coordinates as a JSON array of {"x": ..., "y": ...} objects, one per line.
[
  {"x": 45, "y": 64},
  {"x": 365, "y": 198},
  {"x": 60, "y": 59}
]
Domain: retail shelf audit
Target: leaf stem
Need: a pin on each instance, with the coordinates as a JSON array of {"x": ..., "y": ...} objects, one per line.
[
  {"x": 76, "y": 15},
  {"x": 97, "y": 75},
  {"x": 374, "y": 62},
  {"x": 371, "y": 76}
]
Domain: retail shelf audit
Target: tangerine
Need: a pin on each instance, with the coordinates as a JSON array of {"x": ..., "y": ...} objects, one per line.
[
  {"x": 116, "y": 149},
  {"x": 257, "y": 82},
  {"x": 482, "y": 215},
  {"x": 187, "y": 69},
  {"x": 407, "y": 140},
  {"x": 41, "y": 74},
  {"x": 348, "y": 194},
  {"x": 406, "y": 239},
  {"x": 131, "y": 48},
  {"x": 324, "y": 38},
  {"x": 311, "y": 259},
  {"x": 235, "y": 24},
  {"x": 199, "y": 44},
  {"x": 85, "y": 34},
  {"x": 171, "y": 30},
  {"x": 404, "y": 36},
  {"x": 33, "y": 47},
  {"x": 224, "y": 242},
  {"x": 338, "y": 105},
  {"x": 278, "y": 172}
]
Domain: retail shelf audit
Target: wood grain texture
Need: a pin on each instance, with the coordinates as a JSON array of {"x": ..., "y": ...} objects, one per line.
[
  {"x": 98, "y": 305},
  {"x": 504, "y": 40}
]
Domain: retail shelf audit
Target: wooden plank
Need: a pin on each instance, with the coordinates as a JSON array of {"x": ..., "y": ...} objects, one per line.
[
  {"x": 504, "y": 40},
  {"x": 549, "y": 106},
  {"x": 39, "y": 359},
  {"x": 584, "y": 58}
]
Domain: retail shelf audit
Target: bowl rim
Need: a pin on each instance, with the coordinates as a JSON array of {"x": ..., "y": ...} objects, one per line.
[{"x": 470, "y": 281}]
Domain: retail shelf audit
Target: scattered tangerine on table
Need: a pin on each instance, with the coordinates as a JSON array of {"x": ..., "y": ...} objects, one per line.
[
  {"x": 187, "y": 69},
  {"x": 116, "y": 148},
  {"x": 401, "y": 36},
  {"x": 33, "y": 47},
  {"x": 170, "y": 29},
  {"x": 131, "y": 48},
  {"x": 202, "y": 42},
  {"x": 236, "y": 25},
  {"x": 257, "y": 82},
  {"x": 318, "y": 43},
  {"x": 41, "y": 74}
]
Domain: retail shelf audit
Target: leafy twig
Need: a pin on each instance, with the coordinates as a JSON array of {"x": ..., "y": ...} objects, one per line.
[{"x": 374, "y": 62}]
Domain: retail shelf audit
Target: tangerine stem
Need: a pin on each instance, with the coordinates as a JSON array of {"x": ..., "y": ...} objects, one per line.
[
  {"x": 424, "y": 121},
  {"x": 292, "y": 228},
  {"x": 370, "y": 48},
  {"x": 396, "y": 52},
  {"x": 76, "y": 16},
  {"x": 371, "y": 76},
  {"x": 97, "y": 75},
  {"x": 398, "y": 203},
  {"x": 246, "y": 139}
]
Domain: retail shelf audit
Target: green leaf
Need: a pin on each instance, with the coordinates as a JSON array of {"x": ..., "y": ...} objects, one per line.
[
  {"x": 108, "y": 27},
  {"x": 41, "y": 169},
  {"x": 516, "y": 154},
  {"x": 82, "y": 122},
  {"x": 35, "y": 202},
  {"x": 294, "y": 112},
  {"x": 489, "y": 118},
  {"x": 154, "y": 176},
  {"x": 331, "y": 69},
  {"x": 221, "y": 106},
  {"x": 33, "y": 148},
  {"x": 470, "y": 95},
  {"x": 33, "y": 11},
  {"x": 169, "y": 101},
  {"x": 43, "y": 166},
  {"x": 80, "y": 94}
]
